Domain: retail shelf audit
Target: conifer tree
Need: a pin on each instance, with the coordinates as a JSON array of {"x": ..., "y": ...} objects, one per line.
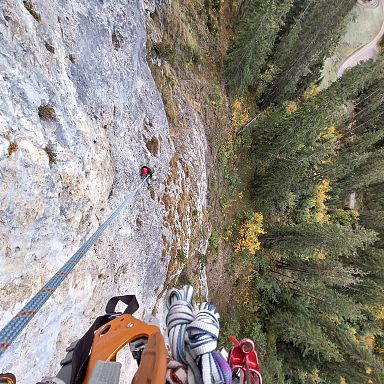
[
  {"x": 306, "y": 240},
  {"x": 300, "y": 53},
  {"x": 253, "y": 42},
  {"x": 359, "y": 160},
  {"x": 293, "y": 142}
]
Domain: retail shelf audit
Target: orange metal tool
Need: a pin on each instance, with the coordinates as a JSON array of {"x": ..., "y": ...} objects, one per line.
[{"x": 116, "y": 334}]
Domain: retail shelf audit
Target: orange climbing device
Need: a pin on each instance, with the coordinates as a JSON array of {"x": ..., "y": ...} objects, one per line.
[{"x": 121, "y": 331}]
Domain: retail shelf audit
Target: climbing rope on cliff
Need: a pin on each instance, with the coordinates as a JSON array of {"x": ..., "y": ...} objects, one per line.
[
  {"x": 9, "y": 333},
  {"x": 192, "y": 330},
  {"x": 191, "y": 359}
]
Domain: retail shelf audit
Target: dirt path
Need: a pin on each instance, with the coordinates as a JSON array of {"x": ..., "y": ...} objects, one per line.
[{"x": 364, "y": 53}]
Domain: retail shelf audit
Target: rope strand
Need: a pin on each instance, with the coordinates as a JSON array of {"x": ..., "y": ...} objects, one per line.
[
  {"x": 10, "y": 332},
  {"x": 193, "y": 333}
]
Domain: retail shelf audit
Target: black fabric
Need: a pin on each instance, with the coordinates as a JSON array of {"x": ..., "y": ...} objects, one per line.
[
  {"x": 129, "y": 300},
  {"x": 83, "y": 347}
]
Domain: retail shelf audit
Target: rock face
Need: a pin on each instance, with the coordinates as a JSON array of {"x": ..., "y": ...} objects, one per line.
[{"x": 79, "y": 115}]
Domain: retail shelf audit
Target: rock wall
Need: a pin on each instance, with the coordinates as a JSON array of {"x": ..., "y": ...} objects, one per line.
[{"x": 79, "y": 114}]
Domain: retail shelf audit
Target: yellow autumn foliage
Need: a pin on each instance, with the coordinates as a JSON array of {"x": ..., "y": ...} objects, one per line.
[
  {"x": 321, "y": 255},
  {"x": 329, "y": 133},
  {"x": 249, "y": 232},
  {"x": 318, "y": 202},
  {"x": 328, "y": 160},
  {"x": 369, "y": 341},
  {"x": 291, "y": 108},
  {"x": 240, "y": 115},
  {"x": 312, "y": 91},
  {"x": 352, "y": 124},
  {"x": 379, "y": 312}
]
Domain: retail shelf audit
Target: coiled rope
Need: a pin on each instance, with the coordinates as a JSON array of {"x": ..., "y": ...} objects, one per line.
[
  {"x": 193, "y": 333},
  {"x": 9, "y": 333}
]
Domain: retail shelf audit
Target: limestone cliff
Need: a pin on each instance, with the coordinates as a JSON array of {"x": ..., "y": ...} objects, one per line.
[{"x": 79, "y": 114}]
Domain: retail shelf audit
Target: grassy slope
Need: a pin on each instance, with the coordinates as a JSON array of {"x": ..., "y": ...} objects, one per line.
[{"x": 187, "y": 44}]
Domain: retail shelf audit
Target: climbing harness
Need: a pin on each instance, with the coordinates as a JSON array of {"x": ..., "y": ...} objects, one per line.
[{"x": 9, "y": 333}]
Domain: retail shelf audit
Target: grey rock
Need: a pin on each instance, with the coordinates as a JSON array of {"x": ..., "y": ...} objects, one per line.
[{"x": 107, "y": 109}]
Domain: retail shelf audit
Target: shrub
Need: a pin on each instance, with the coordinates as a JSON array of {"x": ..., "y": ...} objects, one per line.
[
  {"x": 13, "y": 147},
  {"x": 214, "y": 239},
  {"x": 47, "y": 112},
  {"x": 240, "y": 115},
  {"x": 216, "y": 5},
  {"x": 181, "y": 256},
  {"x": 196, "y": 57},
  {"x": 192, "y": 54},
  {"x": 165, "y": 51},
  {"x": 29, "y": 7},
  {"x": 345, "y": 217},
  {"x": 249, "y": 232},
  {"x": 51, "y": 154}
]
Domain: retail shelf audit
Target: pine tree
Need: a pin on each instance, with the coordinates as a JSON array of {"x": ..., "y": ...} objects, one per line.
[
  {"x": 320, "y": 331},
  {"x": 372, "y": 211},
  {"x": 284, "y": 129},
  {"x": 317, "y": 284},
  {"x": 300, "y": 53},
  {"x": 314, "y": 343},
  {"x": 373, "y": 219},
  {"x": 370, "y": 290},
  {"x": 306, "y": 240},
  {"x": 293, "y": 143},
  {"x": 253, "y": 42},
  {"x": 369, "y": 171},
  {"x": 359, "y": 160}
]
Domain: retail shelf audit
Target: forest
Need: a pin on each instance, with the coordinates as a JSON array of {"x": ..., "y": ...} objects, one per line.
[{"x": 313, "y": 296}]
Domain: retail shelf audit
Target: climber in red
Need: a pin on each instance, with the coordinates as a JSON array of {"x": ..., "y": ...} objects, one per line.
[{"x": 147, "y": 173}]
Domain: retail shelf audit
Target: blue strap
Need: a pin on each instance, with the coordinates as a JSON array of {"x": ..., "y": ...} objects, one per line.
[{"x": 9, "y": 333}]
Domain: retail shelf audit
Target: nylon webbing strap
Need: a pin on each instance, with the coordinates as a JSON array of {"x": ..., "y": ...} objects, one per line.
[{"x": 9, "y": 333}]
